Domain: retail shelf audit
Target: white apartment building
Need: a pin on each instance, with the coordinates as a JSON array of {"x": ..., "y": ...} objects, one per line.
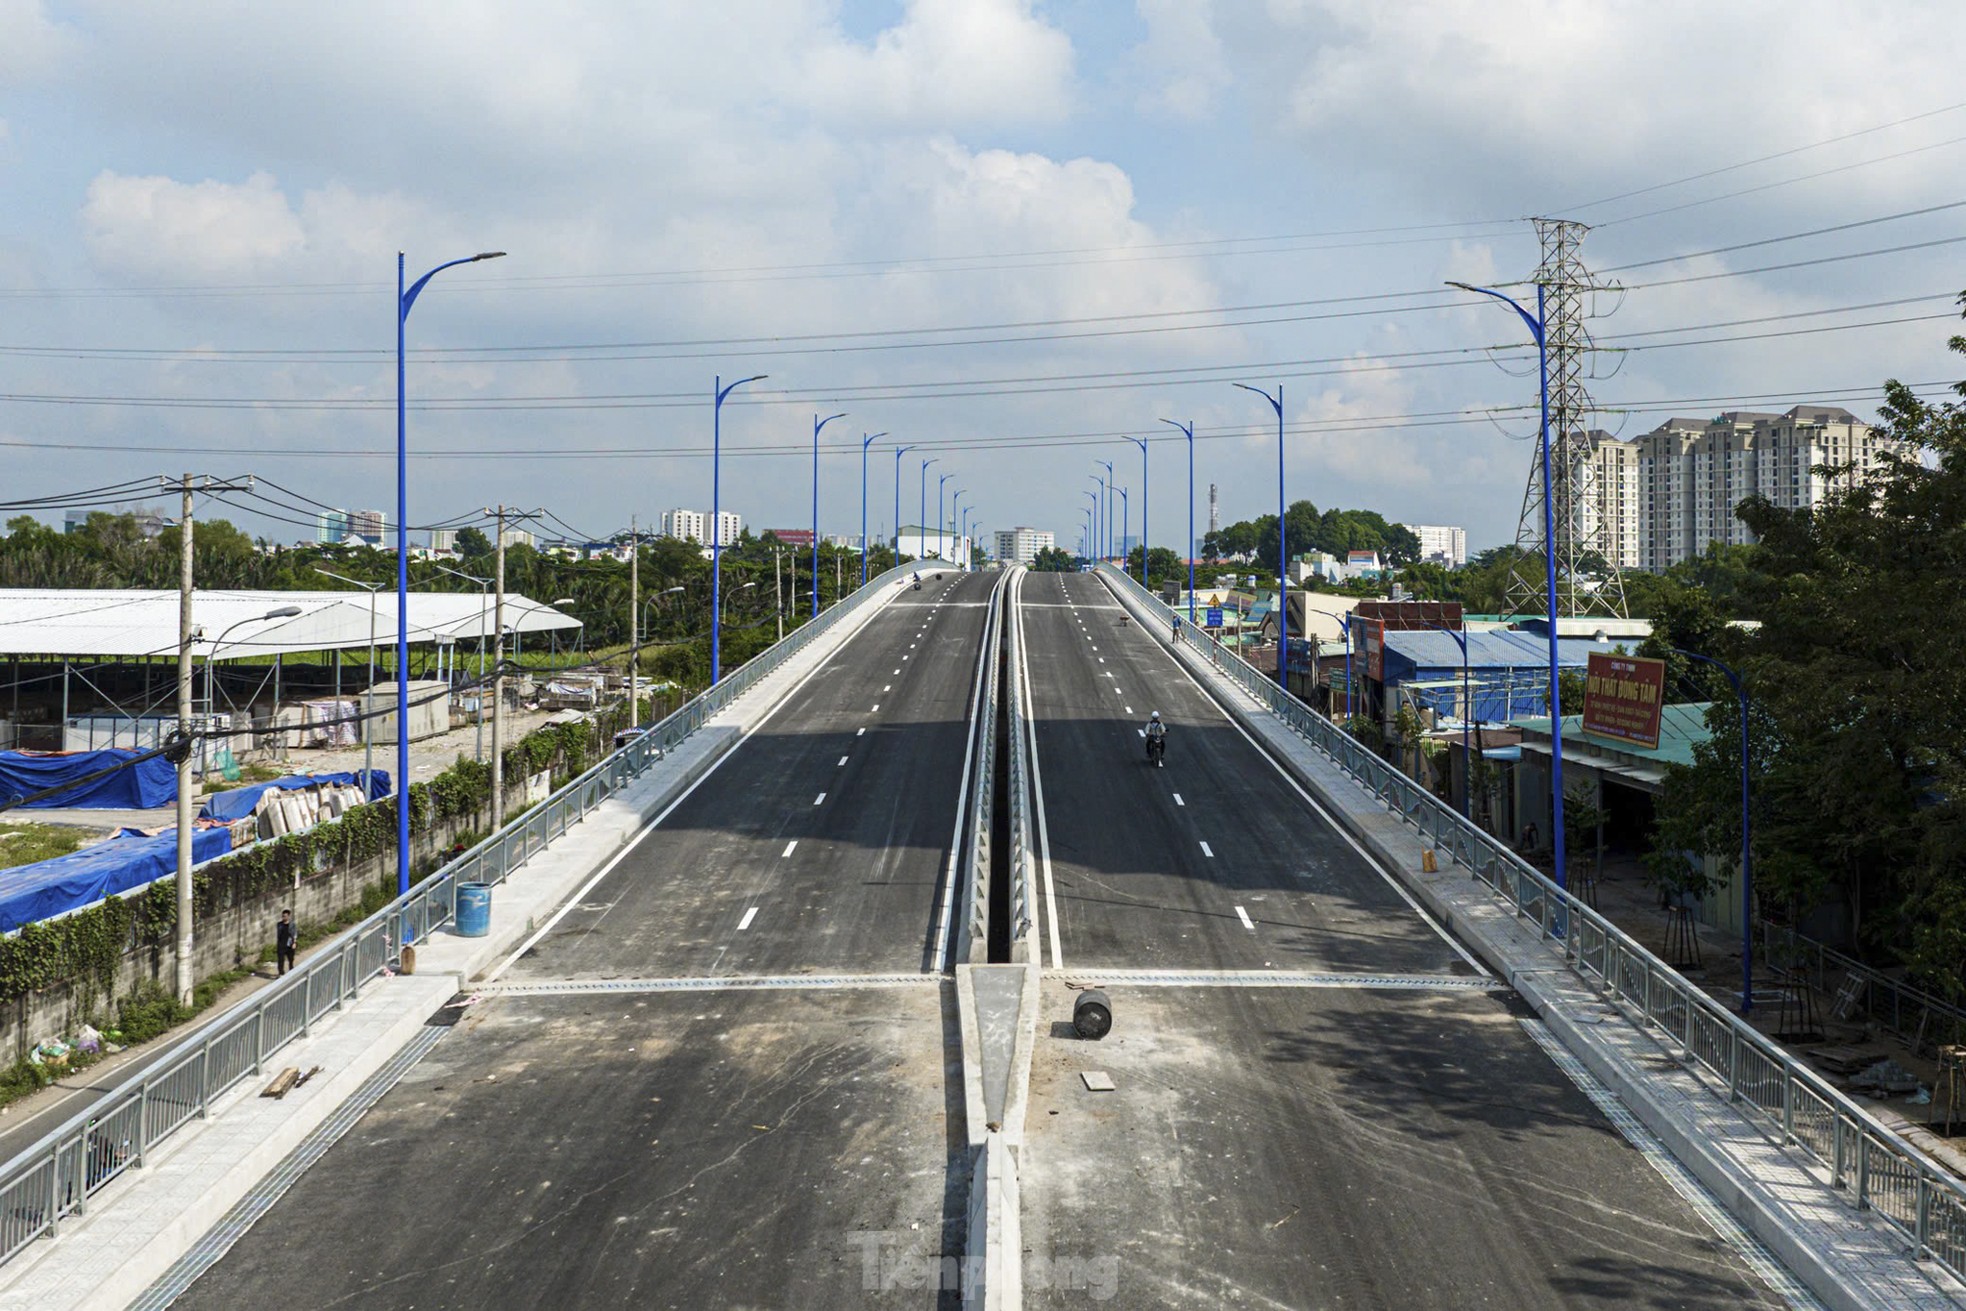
[
  {"x": 1021, "y": 545},
  {"x": 929, "y": 546},
  {"x": 1609, "y": 506},
  {"x": 1441, "y": 544},
  {"x": 1693, "y": 472},
  {"x": 694, "y": 526}
]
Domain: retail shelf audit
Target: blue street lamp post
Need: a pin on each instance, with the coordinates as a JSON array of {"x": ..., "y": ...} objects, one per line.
[
  {"x": 866, "y": 442},
  {"x": 941, "y": 539},
  {"x": 1107, "y": 483},
  {"x": 1125, "y": 523},
  {"x": 405, "y": 299},
  {"x": 1537, "y": 325},
  {"x": 899, "y": 451},
  {"x": 1102, "y": 525},
  {"x": 1092, "y": 540},
  {"x": 955, "y": 513},
  {"x": 1345, "y": 622},
  {"x": 717, "y": 525},
  {"x": 1188, "y": 431},
  {"x": 817, "y": 424},
  {"x": 1747, "y": 834},
  {"x": 1467, "y": 710},
  {"x": 1142, "y": 444},
  {"x": 921, "y": 523},
  {"x": 1283, "y": 550}
]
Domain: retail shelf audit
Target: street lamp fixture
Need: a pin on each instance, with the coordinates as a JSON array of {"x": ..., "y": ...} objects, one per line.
[{"x": 405, "y": 300}]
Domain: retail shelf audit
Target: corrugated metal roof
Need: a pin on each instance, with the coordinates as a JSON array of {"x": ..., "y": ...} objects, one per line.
[
  {"x": 1430, "y": 649},
  {"x": 122, "y": 623}
]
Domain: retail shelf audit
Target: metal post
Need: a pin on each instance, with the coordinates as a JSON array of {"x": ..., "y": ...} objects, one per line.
[
  {"x": 184, "y": 908},
  {"x": 634, "y": 623},
  {"x": 1142, "y": 444},
  {"x": 716, "y": 523},
  {"x": 817, "y": 424},
  {"x": 498, "y": 694},
  {"x": 899, "y": 451},
  {"x": 865, "y": 546}
]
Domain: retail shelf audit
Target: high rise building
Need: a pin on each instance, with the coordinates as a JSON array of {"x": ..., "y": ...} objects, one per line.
[
  {"x": 1441, "y": 544},
  {"x": 1021, "y": 545},
  {"x": 1694, "y": 472},
  {"x": 694, "y": 525},
  {"x": 1608, "y": 499},
  {"x": 331, "y": 526}
]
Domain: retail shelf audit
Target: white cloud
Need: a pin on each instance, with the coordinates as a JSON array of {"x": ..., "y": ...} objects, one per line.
[
  {"x": 949, "y": 62},
  {"x": 1180, "y": 63},
  {"x": 155, "y": 226},
  {"x": 33, "y": 47}
]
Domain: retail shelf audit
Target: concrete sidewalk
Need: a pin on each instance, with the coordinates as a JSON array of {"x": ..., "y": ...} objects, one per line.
[
  {"x": 141, "y": 1224},
  {"x": 1847, "y": 1258}
]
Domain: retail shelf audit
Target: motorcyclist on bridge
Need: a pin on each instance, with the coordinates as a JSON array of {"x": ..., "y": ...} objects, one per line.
[{"x": 1156, "y": 734}]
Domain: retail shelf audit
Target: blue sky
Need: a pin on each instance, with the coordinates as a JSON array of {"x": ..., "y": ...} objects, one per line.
[{"x": 851, "y": 197}]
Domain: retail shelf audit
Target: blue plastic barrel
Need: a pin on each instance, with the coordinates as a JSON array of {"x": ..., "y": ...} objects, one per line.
[{"x": 473, "y": 909}]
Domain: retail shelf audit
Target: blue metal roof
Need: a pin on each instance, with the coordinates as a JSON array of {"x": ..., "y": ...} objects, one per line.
[{"x": 1429, "y": 653}]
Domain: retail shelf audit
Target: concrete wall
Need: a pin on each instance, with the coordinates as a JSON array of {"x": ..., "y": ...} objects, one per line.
[{"x": 229, "y": 939}]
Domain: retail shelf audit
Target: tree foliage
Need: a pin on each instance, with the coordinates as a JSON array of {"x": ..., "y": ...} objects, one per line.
[
  {"x": 1305, "y": 529},
  {"x": 1858, "y": 722}
]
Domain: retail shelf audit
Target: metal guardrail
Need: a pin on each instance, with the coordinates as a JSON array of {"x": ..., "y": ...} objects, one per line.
[
  {"x": 983, "y": 787},
  {"x": 1919, "y": 1018},
  {"x": 1018, "y": 745},
  {"x": 54, "y": 1179},
  {"x": 1872, "y": 1166}
]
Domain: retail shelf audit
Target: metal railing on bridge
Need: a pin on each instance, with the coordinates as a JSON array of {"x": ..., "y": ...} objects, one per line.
[
  {"x": 974, "y": 938},
  {"x": 1018, "y": 746},
  {"x": 1873, "y": 1167},
  {"x": 55, "y": 1178}
]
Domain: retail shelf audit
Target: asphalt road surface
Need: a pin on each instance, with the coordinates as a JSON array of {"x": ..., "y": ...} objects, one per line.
[
  {"x": 822, "y": 842},
  {"x": 708, "y": 1147},
  {"x": 1214, "y": 859},
  {"x": 1390, "y": 1138}
]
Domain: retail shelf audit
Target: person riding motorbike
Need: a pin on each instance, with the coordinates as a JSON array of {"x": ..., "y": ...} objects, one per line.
[{"x": 1156, "y": 733}]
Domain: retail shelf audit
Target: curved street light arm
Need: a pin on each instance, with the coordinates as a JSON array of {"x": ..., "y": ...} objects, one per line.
[{"x": 1534, "y": 325}]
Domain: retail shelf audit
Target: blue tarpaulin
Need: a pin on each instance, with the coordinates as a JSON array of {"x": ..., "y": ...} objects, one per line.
[
  {"x": 239, "y": 802},
  {"x": 129, "y": 860},
  {"x": 142, "y": 786}
]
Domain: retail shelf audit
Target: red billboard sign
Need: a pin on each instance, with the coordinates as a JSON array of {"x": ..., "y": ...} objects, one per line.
[
  {"x": 1624, "y": 697},
  {"x": 1369, "y": 639}
]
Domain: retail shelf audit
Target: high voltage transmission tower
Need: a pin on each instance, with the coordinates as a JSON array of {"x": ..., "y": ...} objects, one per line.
[{"x": 1583, "y": 511}]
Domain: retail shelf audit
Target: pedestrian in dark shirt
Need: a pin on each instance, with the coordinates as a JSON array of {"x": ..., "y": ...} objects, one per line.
[{"x": 285, "y": 939}]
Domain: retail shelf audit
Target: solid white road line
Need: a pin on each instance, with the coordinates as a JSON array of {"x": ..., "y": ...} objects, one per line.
[
  {"x": 821, "y": 797},
  {"x": 1247, "y": 923},
  {"x": 752, "y": 914},
  {"x": 1037, "y": 802},
  {"x": 788, "y": 848},
  {"x": 1207, "y": 851},
  {"x": 1178, "y": 801}
]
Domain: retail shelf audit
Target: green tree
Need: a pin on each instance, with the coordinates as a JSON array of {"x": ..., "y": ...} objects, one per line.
[
  {"x": 1051, "y": 560},
  {"x": 1859, "y": 702},
  {"x": 473, "y": 544}
]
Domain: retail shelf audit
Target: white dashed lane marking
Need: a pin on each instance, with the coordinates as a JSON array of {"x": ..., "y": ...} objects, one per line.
[
  {"x": 749, "y": 915},
  {"x": 1207, "y": 851},
  {"x": 818, "y": 799},
  {"x": 1177, "y": 796},
  {"x": 1247, "y": 923},
  {"x": 788, "y": 848},
  {"x": 860, "y": 732},
  {"x": 843, "y": 758}
]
